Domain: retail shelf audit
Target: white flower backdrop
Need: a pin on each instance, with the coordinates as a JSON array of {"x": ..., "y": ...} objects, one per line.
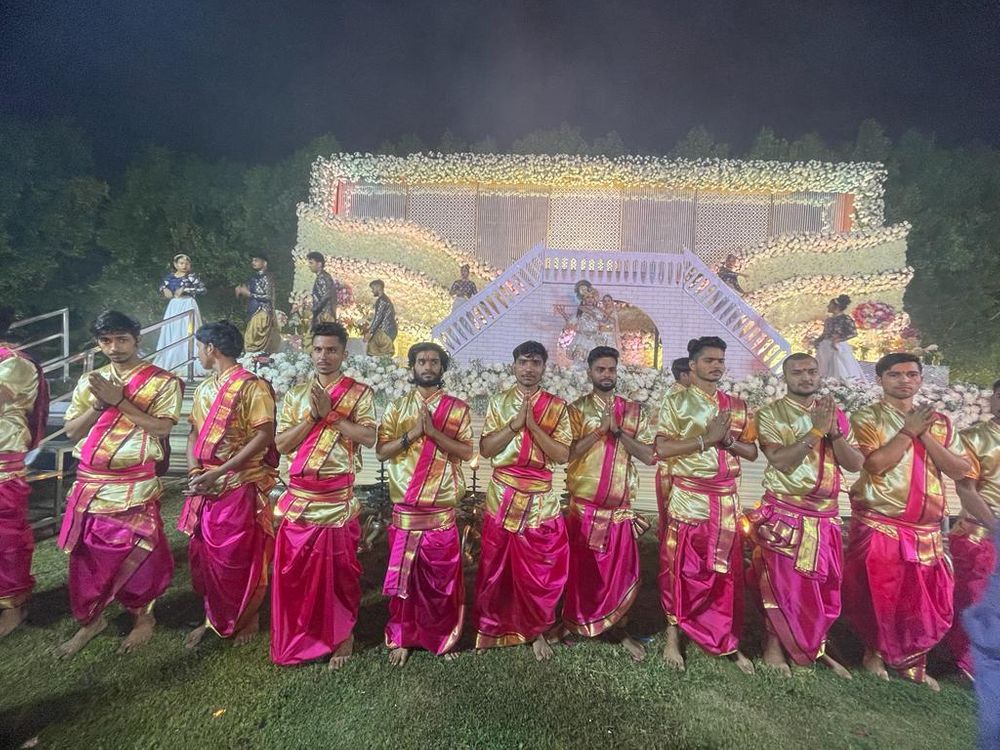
[{"x": 475, "y": 383}]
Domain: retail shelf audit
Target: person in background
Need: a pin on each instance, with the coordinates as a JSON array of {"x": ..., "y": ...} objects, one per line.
[
  {"x": 324, "y": 291},
  {"x": 680, "y": 368},
  {"x": 381, "y": 336},
  {"x": 180, "y": 286},
  {"x": 834, "y": 354},
  {"x": 728, "y": 274},
  {"x": 262, "y": 333},
  {"x": 462, "y": 289}
]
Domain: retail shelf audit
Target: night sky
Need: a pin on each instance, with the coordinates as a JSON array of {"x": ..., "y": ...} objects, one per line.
[{"x": 253, "y": 81}]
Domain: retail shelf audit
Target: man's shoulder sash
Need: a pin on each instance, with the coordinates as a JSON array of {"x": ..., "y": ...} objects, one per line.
[
  {"x": 547, "y": 410},
  {"x": 39, "y": 416},
  {"x": 432, "y": 462},
  {"x": 221, "y": 413},
  {"x": 315, "y": 449},
  {"x": 113, "y": 428}
]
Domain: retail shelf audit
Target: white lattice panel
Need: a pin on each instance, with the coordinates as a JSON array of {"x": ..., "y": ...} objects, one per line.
[
  {"x": 586, "y": 220},
  {"x": 727, "y": 222},
  {"x": 374, "y": 201},
  {"x": 657, "y": 221},
  {"x": 509, "y": 226},
  {"x": 451, "y": 213}
]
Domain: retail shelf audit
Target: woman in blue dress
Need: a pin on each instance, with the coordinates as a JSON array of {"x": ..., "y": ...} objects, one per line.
[{"x": 180, "y": 286}]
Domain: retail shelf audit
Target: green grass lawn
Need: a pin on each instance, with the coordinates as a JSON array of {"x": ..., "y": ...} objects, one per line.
[{"x": 590, "y": 695}]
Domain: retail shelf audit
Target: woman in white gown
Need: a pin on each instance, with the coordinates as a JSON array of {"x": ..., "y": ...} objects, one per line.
[
  {"x": 834, "y": 355},
  {"x": 180, "y": 286}
]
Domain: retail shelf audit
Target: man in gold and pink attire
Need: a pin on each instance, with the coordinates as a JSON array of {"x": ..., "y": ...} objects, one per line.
[
  {"x": 24, "y": 408},
  {"x": 525, "y": 555},
  {"x": 425, "y": 435},
  {"x": 608, "y": 431},
  {"x": 795, "y": 529},
  {"x": 112, "y": 531},
  {"x": 898, "y": 584},
  {"x": 316, "y": 587},
  {"x": 232, "y": 465},
  {"x": 973, "y": 552},
  {"x": 703, "y": 433}
]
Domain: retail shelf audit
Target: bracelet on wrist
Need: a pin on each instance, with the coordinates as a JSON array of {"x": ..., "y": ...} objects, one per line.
[
  {"x": 196, "y": 471},
  {"x": 701, "y": 444},
  {"x": 833, "y": 436},
  {"x": 817, "y": 432},
  {"x": 727, "y": 442},
  {"x": 406, "y": 441}
]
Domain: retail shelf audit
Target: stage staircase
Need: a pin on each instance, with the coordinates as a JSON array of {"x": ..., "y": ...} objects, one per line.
[{"x": 645, "y": 280}]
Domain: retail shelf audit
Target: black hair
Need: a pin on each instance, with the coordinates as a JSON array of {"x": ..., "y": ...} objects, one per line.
[
  {"x": 841, "y": 301},
  {"x": 333, "y": 328},
  {"x": 373, "y": 282},
  {"x": 599, "y": 352},
  {"x": 428, "y": 346},
  {"x": 797, "y": 356},
  {"x": 996, "y": 385},
  {"x": 526, "y": 348},
  {"x": 318, "y": 257},
  {"x": 695, "y": 346},
  {"x": 224, "y": 336},
  {"x": 896, "y": 358},
  {"x": 680, "y": 366},
  {"x": 112, "y": 321},
  {"x": 464, "y": 267}
]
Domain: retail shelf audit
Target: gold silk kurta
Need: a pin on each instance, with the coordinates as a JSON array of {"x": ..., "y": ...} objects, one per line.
[
  {"x": 684, "y": 415},
  {"x": 502, "y": 408},
  {"x": 584, "y": 474},
  {"x": 400, "y": 416},
  {"x": 21, "y": 377},
  {"x": 255, "y": 408},
  {"x": 785, "y": 422},
  {"x": 887, "y": 495},
  {"x": 138, "y": 448},
  {"x": 344, "y": 456},
  {"x": 982, "y": 442}
]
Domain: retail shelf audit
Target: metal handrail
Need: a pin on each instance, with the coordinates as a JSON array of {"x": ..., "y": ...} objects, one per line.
[{"x": 51, "y": 364}]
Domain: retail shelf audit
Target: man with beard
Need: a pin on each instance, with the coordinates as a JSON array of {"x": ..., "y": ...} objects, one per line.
[
  {"x": 425, "y": 435},
  {"x": 232, "y": 467},
  {"x": 702, "y": 435},
  {"x": 524, "y": 561},
  {"x": 316, "y": 590},
  {"x": 381, "y": 336},
  {"x": 970, "y": 541},
  {"x": 898, "y": 584},
  {"x": 112, "y": 530},
  {"x": 608, "y": 431},
  {"x": 795, "y": 530}
]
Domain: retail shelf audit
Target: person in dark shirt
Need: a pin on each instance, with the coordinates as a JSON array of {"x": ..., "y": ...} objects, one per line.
[
  {"x": 324, "y": 291},
  {"x": 381, "y": 336},
  {"x": 462, "y": 289}
]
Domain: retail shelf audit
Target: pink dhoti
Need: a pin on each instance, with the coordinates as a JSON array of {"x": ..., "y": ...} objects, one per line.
[
  {"x": 316, "y": 591},
  {"x": 230, "y": 554},
  {"x": 796, "y": 572},
  {"x": 424, "y": 580},
  {"x": 16, "y": 544},
  {"x": 898, "y": 591},
  {"x": 973, "y": 556},
  {"x": 123, "y": 556},
  {"x": 520, "y": 581},
  {"x": 603, "y": 568}
]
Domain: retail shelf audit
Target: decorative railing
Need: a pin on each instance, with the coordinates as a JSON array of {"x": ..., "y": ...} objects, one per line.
[
  {"x": 62, "y": 336},
  {"x": 608, "y": 268},
  {"x": 502, "y": 294},
  {"x": 731, "y": 310}
]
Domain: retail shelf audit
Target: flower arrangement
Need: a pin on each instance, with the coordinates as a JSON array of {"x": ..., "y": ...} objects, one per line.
[
  {"x": 475, "y": 382},
  {"x": 874, "y": 315},
  {"x": 492, "y": 172}
]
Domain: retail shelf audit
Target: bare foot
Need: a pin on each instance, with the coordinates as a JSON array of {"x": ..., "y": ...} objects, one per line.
[
  {"x": 83, "y": 636},
  {"x": 399, "y": 656},
  {"x": 247, "y": 632},
  {"x": 774, "y": 656},
  {"x": 838, "y": 669},
  {"x": 873, "y": 663},
  {"x": 672, "y": 650},
  {"x": 451, "y": 655},
  {"x": 344, "y": 652},
  {"x": 745, "y": 665},
  {"x": 480, "y": 651},
  {"x": 194, "y": 637},
  {"x": 142, "y": 631},
  {"x": 11, "y": 618},
  {"x": 635, "y": 649},
  {"x": 541, "y": 649},
  {"x": 932, "y": 683}
]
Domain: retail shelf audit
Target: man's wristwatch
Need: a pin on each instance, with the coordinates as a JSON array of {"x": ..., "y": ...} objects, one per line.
[
  {"x": 406, "y": 440},
  {"x": 617, "y": 432}
]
